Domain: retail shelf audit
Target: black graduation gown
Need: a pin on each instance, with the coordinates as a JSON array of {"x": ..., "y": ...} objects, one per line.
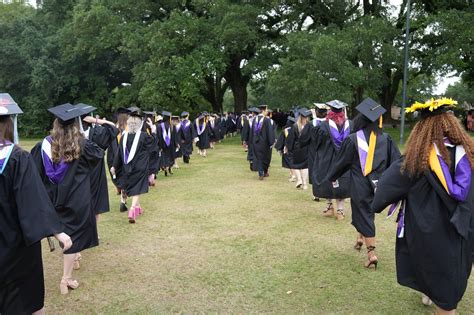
[
  {"x": 178, "y": 149},
  {"x": 231, "y": 124},
  {"x": 26, "y": 216},
  {"x": 213, "y": 132},
  {"x": 325, "y": 152},
  {"x": 298, "y": 154},
  {"x": 203, "y": 142},
  {"x": 362, "y": 187},
  {"x": 286, "y": 160},
  {"x": 223, "y": 127},
  {"x": 72, "y": 197},
  {"x": 186, "y": 135},
  {"x": 136, "y": 172},
  {"x": 434, "y": 255},
  {"x": 112, "y": 151},
  {"x": 103, "y": 136},
  {"x": 262, "y": 142},
  {"x": 168, "y": 152}
]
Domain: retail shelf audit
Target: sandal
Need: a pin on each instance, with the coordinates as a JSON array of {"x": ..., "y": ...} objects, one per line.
[
  {"x": 372, "y": 259},
  {"x": 66, "y": 284},
  {"x": 329, "y": 212}
]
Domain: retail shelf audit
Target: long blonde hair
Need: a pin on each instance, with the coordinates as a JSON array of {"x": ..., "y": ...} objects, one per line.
[
  {"x": 300, "y": 123},
  {"x": 134, "y": 124},
  {"x": 66, "y": 142}
]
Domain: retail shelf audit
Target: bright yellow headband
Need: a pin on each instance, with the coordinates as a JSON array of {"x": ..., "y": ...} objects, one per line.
[{"x": 431, "y": 105}]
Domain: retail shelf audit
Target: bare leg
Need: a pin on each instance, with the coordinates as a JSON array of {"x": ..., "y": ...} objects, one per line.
[
  {"x": 340, "y": 209},
  {"x": 39, "y": 312},
  {"x": 372, "y": 259},
  {"x": 135, "y": 201},
  {"x": 440, "y": 311},
  {"x": 299, "y": 179}
]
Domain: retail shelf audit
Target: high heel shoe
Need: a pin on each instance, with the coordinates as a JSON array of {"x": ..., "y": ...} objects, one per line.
[
  {"x": 372, "y": 259},
  {"x": 359, "y": 243},
  {"x": 77, "y": 260},
  {"x": 132, "y": 215},
  {"x": 329, "y": 212},
  {"x": 66, "y": 284}
]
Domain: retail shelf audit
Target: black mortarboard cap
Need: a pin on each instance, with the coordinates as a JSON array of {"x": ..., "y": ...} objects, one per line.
[
  {"x": 292, "y": 119},
  {"x": 254, "y": 110},
  {"x": 336, "y": 104},
  {"x": 66, "y": 113},
  {"x": 85, "y": 108},
  {"x": 320, "y": 106},
  {"x": 175, "y": 117},
  {"x": 135, "y": 111},
  {"x": 263, "y": 107},
  {"x": 304, "y": 112},
  {"x": 184, "y": 114},
  {"x": 8, "y": 106},
  {"x": 244, "y": 112},
  {"x": 166, "y": 114},
  {"x": 122, "y": 110},
  {"x": 371, "y": 109},
  {"x": 149, "y": 113}
]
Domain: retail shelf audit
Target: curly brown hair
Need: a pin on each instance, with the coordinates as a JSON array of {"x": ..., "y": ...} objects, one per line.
[
  {"x": 66, "y": 142},
  {"x": 434, "y": 129}
]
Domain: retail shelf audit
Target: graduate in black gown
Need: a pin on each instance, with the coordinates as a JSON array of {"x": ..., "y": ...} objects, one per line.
[
  {"x": 27, "y": 216},
  {"x": 121, "y": 116},
  {"x": 167, "y": 143},
  {"x": 65, "y": 160},
  {"x": 133, "y": 159},
  {"x": 245, "y": 136},
  {"x": 367, "y": 153},
  {"x": 186, "y": 135},
  {"x": 155, "y": 151},
  {"x": 298, "y": 153},
  {"x": 202, "y": 134},
  {"x": 241, "y": 121},
  {"x": 262, "y": 137},
  {"x": 176, "y": 122},
  {"x": 286, "y": 161},
  {"x": 320, "y": 111},
  {"x": 213, "y": 130},
  {"x": 102, "y": 132},
  {"x": 326, "y": 140},
  {"x": 436, "y": 221}
]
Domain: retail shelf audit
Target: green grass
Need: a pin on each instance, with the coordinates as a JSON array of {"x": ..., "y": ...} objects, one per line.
[{"x": 214, "y": 239}]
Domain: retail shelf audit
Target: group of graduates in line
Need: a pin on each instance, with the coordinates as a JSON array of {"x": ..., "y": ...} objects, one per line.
[
  {"x": 431, "y": 185},
  {"x": 60, "y": 188}
]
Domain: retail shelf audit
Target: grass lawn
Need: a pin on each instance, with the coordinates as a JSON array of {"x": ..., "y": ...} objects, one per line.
[{"x": 214, "y": 239}]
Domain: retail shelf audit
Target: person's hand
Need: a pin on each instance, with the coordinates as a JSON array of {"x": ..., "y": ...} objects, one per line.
[
  {"x": 151, "y": 125},
  {"x": 285, "y": 150},
  {"x": 65, "y": 240},
  {"x": 151, "y": 180},
  {"x": 112, "y": 170}
]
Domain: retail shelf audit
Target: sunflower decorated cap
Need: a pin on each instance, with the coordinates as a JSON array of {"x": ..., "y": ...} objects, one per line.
[{"x": 432, "y": 107}]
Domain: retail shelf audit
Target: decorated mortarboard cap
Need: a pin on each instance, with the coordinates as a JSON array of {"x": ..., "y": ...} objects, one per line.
[
  {"x": 66, "y": 113},
  {"x": 85, "y": 109},
  {"x": 304, "y": 112},
  {"x": 320, "y": 106},
  {"x": 184, "y": 114},
  {"x": 432, "y": 107},
  {"x": 8, "y": 106},
  {"x": 371, "y": 109},
  {"x": 135, "y": 111},
  {"x": 336, "y": 104}
]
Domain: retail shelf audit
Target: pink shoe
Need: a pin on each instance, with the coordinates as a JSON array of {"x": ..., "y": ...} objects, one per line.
[
  {"x": 138, "y": 211},
  {"x": 132, "y": 215}
]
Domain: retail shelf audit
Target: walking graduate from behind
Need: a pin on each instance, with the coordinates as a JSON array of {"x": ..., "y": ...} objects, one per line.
[
  {"x": 66, "y": 160},
  {"x": 367, "y": 153},
  {"x": 262, "y": 136},
  {"x": 27, "y": 217},
  {"x": 433, "y": 182}
]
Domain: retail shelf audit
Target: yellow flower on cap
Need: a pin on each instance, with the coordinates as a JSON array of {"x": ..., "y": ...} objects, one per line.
[{"x": 431, "y": 105}]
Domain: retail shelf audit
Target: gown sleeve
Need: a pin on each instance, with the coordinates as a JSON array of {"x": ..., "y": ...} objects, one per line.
[
  {"x": 118, "y": 158},
  {"x": 392, "y": 187},
  {"x": 37, "y": 216},
  {"x": 270, "y": 133},
  {"x": 305, "y": 136},
  {"x": 280, "y": 142},
  {"x": 343, "y": 162},
  {"x": 92, "y": 153},
  {"x": 104, "y": 134},
  {"x": 38, "y": 159},
  {"x": 290, "y": 140}
]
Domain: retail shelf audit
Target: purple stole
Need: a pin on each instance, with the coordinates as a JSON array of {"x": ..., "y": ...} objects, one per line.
[
  {"x": 166, "y": 134},
  {"x": 337, "y": 136},
  {"x": 258, "y": 124},
  {"x": 54, "y": 171}
]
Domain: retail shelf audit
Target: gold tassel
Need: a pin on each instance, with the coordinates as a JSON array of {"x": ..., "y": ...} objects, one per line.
[{"x": 380, "y": 122}]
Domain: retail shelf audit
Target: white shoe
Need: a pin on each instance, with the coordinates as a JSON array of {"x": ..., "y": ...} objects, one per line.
[
  {"x": 292, "y": 179},
  {"x": 305, "y": 187},
  {"x": 426, "y": 300}
]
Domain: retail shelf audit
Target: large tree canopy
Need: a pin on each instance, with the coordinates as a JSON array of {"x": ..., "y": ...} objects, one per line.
[{"x": 193, "y": 54}]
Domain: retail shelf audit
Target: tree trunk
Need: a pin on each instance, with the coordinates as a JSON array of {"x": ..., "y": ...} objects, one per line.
[
  {"x": 389, "y": 92},
  {"x": 238, "y": 84},
  {"x": 214, "y": 92}
]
